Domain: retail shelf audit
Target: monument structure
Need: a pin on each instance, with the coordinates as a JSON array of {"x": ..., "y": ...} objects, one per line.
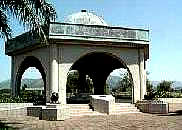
[{"x": 84, "y": 42}]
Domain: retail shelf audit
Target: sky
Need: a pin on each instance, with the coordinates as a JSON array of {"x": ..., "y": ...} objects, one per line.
[{"x": 162, "y": 17}]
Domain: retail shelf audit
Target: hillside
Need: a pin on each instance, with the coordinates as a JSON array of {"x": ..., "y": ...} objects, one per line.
[
  {"x": 31, "y": 83},
  {"x": 112, "y": 81},
  {"x": 176, "y": 84}
]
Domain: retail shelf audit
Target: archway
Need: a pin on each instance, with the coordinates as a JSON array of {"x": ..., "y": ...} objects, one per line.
[
  {"x": 28, "y": 62},
  {"x": 98, "y": 66},
  {"x": 120, "y": 85},
  {"x": 78, "y": 88}
]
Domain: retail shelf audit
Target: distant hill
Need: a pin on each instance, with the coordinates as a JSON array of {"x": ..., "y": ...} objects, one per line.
[
  {"x": 112, "y": 81},
  {"x": 5, "y": 84},
  {"x": 176, "y": 84},
  {"x": 31, "y": 83}
]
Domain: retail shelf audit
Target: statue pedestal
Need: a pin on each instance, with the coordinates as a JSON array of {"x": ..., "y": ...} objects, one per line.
[
  {"x": 50, "y": 112},
  {"x": 55, "y": 112},
  {"x": 103, "y": 103}
]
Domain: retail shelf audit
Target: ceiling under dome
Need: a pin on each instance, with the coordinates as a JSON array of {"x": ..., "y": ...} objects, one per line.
[{"x": 86, "y": 18}]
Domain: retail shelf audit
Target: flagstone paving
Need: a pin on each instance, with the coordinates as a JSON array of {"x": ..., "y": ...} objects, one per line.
[{"x": 133, "y": 121}]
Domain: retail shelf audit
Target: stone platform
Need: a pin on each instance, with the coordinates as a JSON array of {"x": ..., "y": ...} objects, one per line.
[{"x": 49, "y": 112}]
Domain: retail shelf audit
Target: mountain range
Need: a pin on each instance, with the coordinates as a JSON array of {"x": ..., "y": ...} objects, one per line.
[
  {"x": 31, "y": 83},
  {"x": 112, "y": 81}
]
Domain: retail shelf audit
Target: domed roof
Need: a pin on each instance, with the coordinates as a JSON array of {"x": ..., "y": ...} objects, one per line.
[{"x": 86, "y": 18}]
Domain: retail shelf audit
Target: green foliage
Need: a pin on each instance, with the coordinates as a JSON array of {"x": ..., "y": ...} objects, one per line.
[
  {"x": 74, "y": 85},
  {"x": 25, "y": 97},
  {"x": 164, "y": 89},
  {"x": 30, "y": 13},
  {"x": 151, "y": 94},
  {"x": 165, "y": 86},
  {"x": 125, "y": 84},
  {"x": 124, "y": 87}
]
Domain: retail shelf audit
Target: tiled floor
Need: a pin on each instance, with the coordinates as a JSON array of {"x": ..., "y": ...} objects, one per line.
[{"x": 133, "y": 121}]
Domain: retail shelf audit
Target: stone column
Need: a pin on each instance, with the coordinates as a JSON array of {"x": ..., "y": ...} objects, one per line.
[
  {"x": 134, "y": 69},
  {"x": 54, "y": 69},
  {"x": 63, "y": 73},
  {"x": 145, "y": 80},
  {"x": 142, "y": 74},
  {"x": 13, "y": 76}
]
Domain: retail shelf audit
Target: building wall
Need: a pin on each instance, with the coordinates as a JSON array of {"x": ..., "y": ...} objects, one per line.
[
  {"x": 42, "y": 55},
  {"x": 57, "y": 60},
  {"x": 133, "y": 58}
]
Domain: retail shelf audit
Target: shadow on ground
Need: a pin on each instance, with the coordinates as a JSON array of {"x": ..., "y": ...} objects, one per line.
[
  {"x": 176, "y": 113},
  {"x": 4, "y": 125}
]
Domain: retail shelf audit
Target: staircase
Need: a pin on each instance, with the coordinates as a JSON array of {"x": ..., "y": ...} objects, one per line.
[
  {"x": 120, "y": 108},
  {"x": 82, "y": 110}
]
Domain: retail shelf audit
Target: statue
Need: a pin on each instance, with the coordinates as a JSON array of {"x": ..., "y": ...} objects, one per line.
[{"x": 54, "y": 97}]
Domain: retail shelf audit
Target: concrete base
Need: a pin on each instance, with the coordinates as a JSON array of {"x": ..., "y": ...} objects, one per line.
[
  {"x": 34, "y": 111},
  {"x": 103, "y": 103},
  {"x": 175, "y": 104},
  {"x": 160, "y": 108},
  {"x": 49, "y": 112}
]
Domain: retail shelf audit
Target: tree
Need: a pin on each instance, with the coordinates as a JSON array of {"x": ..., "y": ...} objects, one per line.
[
  {"x": 150, "y": 90},
  {"x": 72, "y": 82},
  {"x": 31, "y": 13},
  {"x": 125, "y": 84},
  {"x": 74, "y": 85},
  {"x": 164, "y": 88},
  {"x": 149, "y": 86}
]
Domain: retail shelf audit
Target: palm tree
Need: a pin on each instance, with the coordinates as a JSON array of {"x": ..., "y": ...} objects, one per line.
[{"x": 30, "y": 13}]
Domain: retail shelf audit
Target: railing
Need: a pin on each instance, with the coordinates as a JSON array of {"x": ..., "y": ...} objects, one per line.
[
  {"x": 79, "y": 31},
  {"x": 97, "y": 31},
  {"x": 22, "y": 41}
]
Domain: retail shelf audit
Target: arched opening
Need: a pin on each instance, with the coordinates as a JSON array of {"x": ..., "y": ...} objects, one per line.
[
  {"x": 97, "y": 66},
  {"x": 28, "y": 64},
  {"x": 79, "y": 86},
  {"x": 120, "y": 85}
]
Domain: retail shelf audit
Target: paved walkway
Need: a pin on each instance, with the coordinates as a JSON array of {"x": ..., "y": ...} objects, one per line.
[{"x": 135, "y": 121}]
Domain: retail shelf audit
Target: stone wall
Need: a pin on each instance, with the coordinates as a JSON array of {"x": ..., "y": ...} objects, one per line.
[
  {"x": 103, "y": 103},
  {"x": 153, "y": 107},
  {"x": 175, "y": 104},
  {"x": 10, "y": 106}
]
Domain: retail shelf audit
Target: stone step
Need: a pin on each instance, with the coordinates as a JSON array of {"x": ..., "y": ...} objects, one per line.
[
  {"x": 125, "y": 104},
  {"x": 131, "y": 109},
  {"x": 84, "y": 110},
  {"x": 77, "y": 104},
  {"x": 87, "y": 114},
  {"x": 75, "y": 110},
  {"x": 124, "y": 107},
  {"x": 121, "y": 110},
  {"x": 118, "y": 113},
  {"x": 80, "y": 113},
  {"x": 79, "y": 107}
]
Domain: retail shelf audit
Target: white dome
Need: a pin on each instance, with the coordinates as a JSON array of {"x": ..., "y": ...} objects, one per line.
[{"x": 86, "y": 18}]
